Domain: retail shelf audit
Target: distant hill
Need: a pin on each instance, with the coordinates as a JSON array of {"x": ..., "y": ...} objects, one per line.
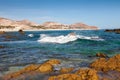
[
  {"x": 23, "y": 24},
  {"x": 28, "y": 25},
  {"x": 82, "y": 26}
]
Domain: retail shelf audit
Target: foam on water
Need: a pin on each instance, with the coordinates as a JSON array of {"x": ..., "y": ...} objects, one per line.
[
  {"x": 65, "y": 39},
  {"x": 30, "y": 35}
]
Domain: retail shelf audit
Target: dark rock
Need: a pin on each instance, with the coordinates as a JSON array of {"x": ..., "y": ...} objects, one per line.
[
  {"x": 101, "y": 55},
  {"x": 21, "y": 31},
  {"x": 113, "y": 30}
]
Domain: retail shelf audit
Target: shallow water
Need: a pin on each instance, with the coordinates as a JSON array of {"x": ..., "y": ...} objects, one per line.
[{"x": 22, "y": 49}]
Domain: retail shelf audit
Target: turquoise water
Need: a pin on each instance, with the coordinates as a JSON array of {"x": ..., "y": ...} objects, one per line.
[{"x": 21, "y": 49}]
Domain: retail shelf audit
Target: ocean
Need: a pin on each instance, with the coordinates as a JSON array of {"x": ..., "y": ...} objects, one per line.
[{"x": 76, "y": 50}]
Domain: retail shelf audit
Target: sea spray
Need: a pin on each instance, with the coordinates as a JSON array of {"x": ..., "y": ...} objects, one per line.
[{"x": 65, "y": 39}]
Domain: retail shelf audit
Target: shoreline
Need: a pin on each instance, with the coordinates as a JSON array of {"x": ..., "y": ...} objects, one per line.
[{"x": 9, "y": 30}]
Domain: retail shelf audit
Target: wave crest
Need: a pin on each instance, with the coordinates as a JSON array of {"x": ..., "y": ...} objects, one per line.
[{"x": 65, "y": 39}]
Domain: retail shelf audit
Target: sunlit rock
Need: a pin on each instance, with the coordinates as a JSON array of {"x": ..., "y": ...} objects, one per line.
[
  {"x": 103, "y": 64},
  {"x": 66, "y": 70},
  {"x": 45, "y": 68}
]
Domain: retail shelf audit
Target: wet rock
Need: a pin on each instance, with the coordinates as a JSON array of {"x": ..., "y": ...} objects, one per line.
[
  {"x": 53, "y": 62},
  {"x": 45, "y": 68},
  {"x": 65, "y": 77},
  {"x": 113, "y": 30},
  {"x": 48, "y": 66},
  {"x": 21, "y": 31},
  {"x": 66, "y": 70},
  {"x": 103, "y": 64},
  {"x": 101, "y": 55},
  {"x": 82, "y": 74},
  {"x": 27, "y": 69},
  {"x": 88, "y": 74}
]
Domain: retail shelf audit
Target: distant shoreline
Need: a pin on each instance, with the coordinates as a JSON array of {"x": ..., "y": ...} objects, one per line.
[{"x": 9, "y": 30}]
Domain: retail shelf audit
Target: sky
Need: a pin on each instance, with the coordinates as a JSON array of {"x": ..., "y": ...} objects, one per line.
[{"x": 101, "y": 13}]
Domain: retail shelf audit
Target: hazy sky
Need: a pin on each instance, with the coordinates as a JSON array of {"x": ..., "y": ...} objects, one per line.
[{"x": 101, "y": 13}]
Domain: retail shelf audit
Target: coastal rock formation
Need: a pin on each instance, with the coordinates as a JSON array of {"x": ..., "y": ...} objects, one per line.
[
  {"x": 103, "y": 64},
  {"x": 113, "y": 30},
  {"x": 46, "y": 67},
  {"x": 82, "y": 74},
  {"x": 101, "y": 69},
  {"x": 88, "y": 74},
  {"x": 7, "y": 24}
]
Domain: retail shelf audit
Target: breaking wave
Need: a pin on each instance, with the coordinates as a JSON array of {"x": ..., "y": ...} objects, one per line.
[{"x": 65, "y": 39}]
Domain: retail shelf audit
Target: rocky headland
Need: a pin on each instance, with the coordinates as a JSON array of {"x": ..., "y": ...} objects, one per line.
[{"x": 13, "y": 25}]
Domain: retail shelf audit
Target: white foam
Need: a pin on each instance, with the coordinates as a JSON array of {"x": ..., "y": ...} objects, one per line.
[
  {"x": 30, "y": 35},
  {"x": 65, "y": 39}
]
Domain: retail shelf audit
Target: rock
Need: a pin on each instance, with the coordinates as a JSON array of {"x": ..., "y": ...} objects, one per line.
[
  {"x": 65, "y": 77},
  {"x": 82, "y": 74},
  {"x": 66, "y": 70},
  {"x": 103, "y": 64},
  {"x": 53, "y": 62},
  {"x": 21, "y": 31},
  {"x": 48, "y": 66},
  {"x": 45, "y": 68},
  {"x": 113, "y": 30},
  {"x": 88, "y": 74},
  {"x": 27, "y": 69},
  {"x": 101, "y": 55}
]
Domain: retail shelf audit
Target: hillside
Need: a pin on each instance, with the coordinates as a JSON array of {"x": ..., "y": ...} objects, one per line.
[{"x": 28, "y": 25}]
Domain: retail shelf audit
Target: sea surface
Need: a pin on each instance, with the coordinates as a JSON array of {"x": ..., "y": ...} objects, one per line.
[{"x": 78, "y": 50}]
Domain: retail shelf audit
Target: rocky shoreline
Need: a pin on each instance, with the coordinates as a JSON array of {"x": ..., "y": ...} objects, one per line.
[{"x": 103, "y": 68}]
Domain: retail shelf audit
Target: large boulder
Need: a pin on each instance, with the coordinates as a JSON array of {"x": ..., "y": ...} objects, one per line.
[
  {"x": 88, "y": 74},
  {"x": 45, "y": 68},
  {"x": 103, "y": 64}
]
